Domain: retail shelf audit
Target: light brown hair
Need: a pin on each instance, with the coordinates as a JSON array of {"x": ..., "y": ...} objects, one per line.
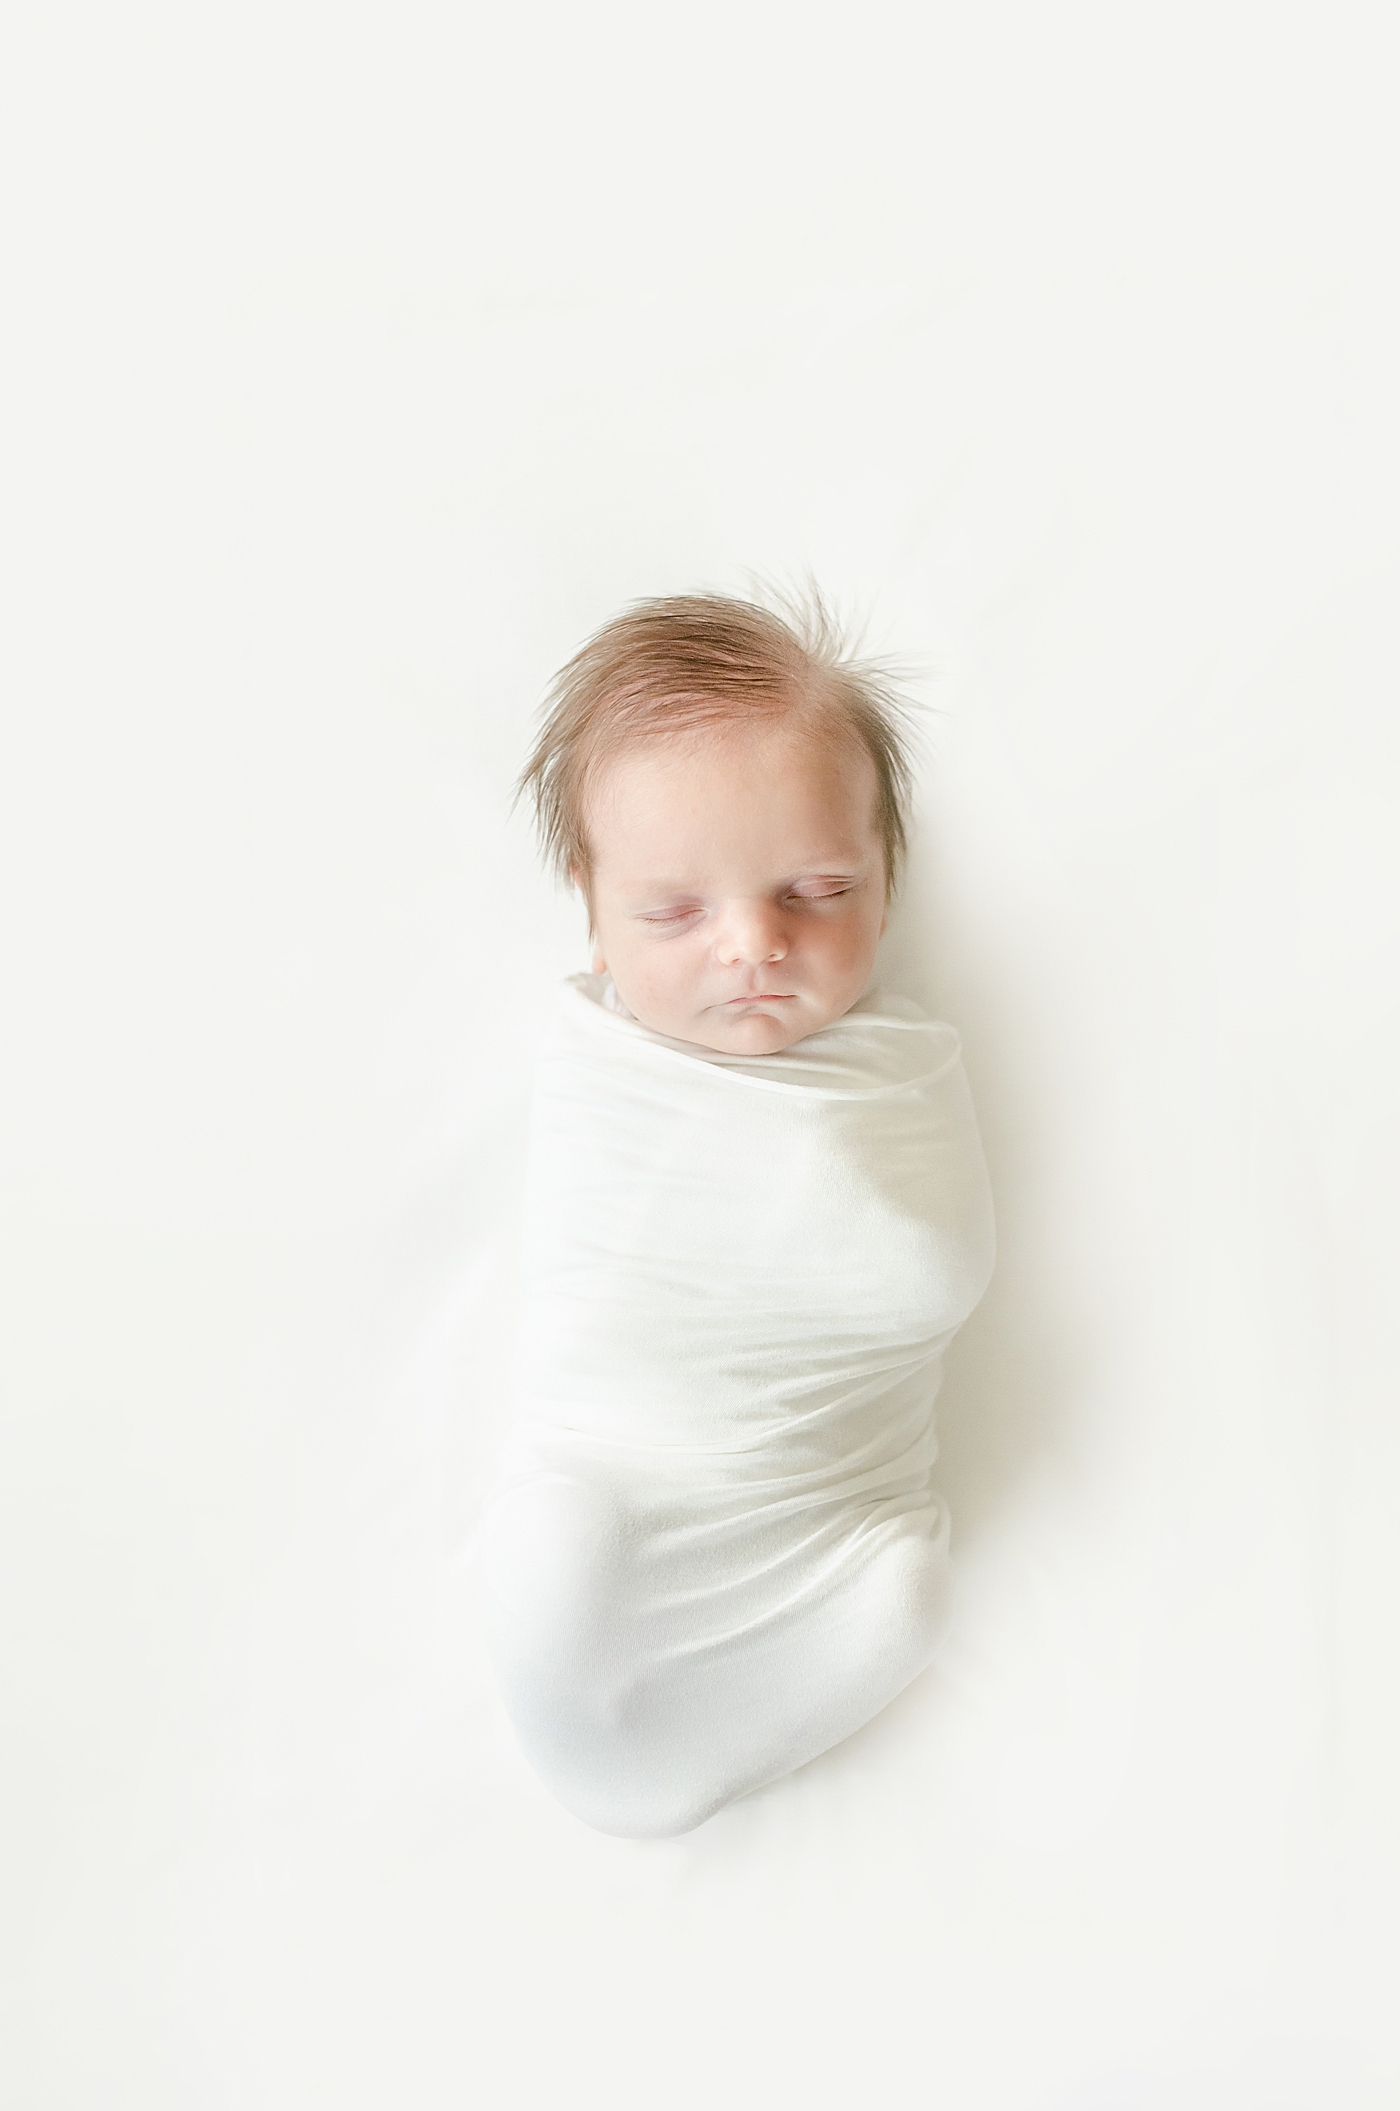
[{"x": 688, "y": 662}]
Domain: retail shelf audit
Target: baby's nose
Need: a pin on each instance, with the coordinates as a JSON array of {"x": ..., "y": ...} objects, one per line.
[{"x": 753, "y": 932}]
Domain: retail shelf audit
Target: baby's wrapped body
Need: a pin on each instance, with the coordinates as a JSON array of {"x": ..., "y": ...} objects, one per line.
[{"x": 716, "y": 1550}]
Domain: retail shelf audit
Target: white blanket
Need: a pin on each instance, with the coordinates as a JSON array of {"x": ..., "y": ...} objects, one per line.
[{"x": 715, "y": 1550}]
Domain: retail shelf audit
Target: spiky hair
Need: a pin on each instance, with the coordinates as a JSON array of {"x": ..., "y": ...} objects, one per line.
[{"x": 685, "y": 663}]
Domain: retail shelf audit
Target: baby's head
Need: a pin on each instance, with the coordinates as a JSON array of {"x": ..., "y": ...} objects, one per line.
[{"x": 728, "y": 790}]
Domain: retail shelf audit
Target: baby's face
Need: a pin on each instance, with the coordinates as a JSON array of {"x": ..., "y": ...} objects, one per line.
[{"x": 738, "y": 885}]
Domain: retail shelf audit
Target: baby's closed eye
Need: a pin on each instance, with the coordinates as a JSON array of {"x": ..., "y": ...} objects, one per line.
[
  {"x": 679, "y": 915},
  {"x": 821, "y": 890}
]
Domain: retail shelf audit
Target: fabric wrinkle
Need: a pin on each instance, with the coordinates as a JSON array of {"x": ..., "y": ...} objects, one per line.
[{"x": 739, "y": 1279}]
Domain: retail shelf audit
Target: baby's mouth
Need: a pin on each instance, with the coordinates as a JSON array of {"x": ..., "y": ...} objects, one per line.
[{"x": 764, "y": 997}]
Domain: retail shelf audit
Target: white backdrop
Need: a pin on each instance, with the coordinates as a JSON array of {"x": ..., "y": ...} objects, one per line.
[{"x": 360, "y": 362}]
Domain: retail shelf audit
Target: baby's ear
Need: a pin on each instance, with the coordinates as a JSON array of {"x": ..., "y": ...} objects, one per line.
[{"x": 600, "y": 966}]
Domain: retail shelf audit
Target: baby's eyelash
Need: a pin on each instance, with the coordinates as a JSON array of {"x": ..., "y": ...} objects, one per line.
[{"x": 662, "y": 917}]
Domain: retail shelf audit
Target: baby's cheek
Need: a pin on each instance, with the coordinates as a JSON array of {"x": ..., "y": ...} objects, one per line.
[
  {"x": 659, "y": 991},
  {"x": 848, "y": 948},
  {"x": 658, "y": 980}
]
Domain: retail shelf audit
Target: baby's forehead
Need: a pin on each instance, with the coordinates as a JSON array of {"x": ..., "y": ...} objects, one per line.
[
  {"x": 687, "y": 805},
  {"x": 825, "y": 752}
]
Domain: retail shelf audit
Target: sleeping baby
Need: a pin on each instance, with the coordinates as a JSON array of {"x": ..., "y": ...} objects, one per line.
[{"x": 755, "y": 1213}]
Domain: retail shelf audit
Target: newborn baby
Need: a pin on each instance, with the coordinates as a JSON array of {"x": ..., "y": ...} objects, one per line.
[{"x": 755, "y": 1213}]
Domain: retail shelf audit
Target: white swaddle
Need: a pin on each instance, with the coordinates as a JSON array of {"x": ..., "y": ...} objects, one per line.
[{"x": 715, "y": 1550}]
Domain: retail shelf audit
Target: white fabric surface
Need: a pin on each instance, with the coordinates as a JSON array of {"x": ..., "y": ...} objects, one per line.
[
  {"x": 717, "y": 1550},
  {"x": 359, "y": 362}
]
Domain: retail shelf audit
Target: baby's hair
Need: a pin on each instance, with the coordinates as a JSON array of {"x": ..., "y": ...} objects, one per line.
[{"x": 687, "y": 662}]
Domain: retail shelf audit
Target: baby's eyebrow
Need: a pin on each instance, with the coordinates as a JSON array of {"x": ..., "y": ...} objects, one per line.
[
  {"x": 812, "y": 869},
  {"x": 838, "y": 869}
]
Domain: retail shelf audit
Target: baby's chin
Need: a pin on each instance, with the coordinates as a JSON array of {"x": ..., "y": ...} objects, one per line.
[{"x": 744, "y": 1032}]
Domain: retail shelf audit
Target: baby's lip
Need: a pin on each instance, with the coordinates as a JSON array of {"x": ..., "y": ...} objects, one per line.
[{"x": 763, "y": 997}]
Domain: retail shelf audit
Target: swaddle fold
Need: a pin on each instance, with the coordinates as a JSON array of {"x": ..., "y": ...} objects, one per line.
[{"x": 716, "y": 1549}]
